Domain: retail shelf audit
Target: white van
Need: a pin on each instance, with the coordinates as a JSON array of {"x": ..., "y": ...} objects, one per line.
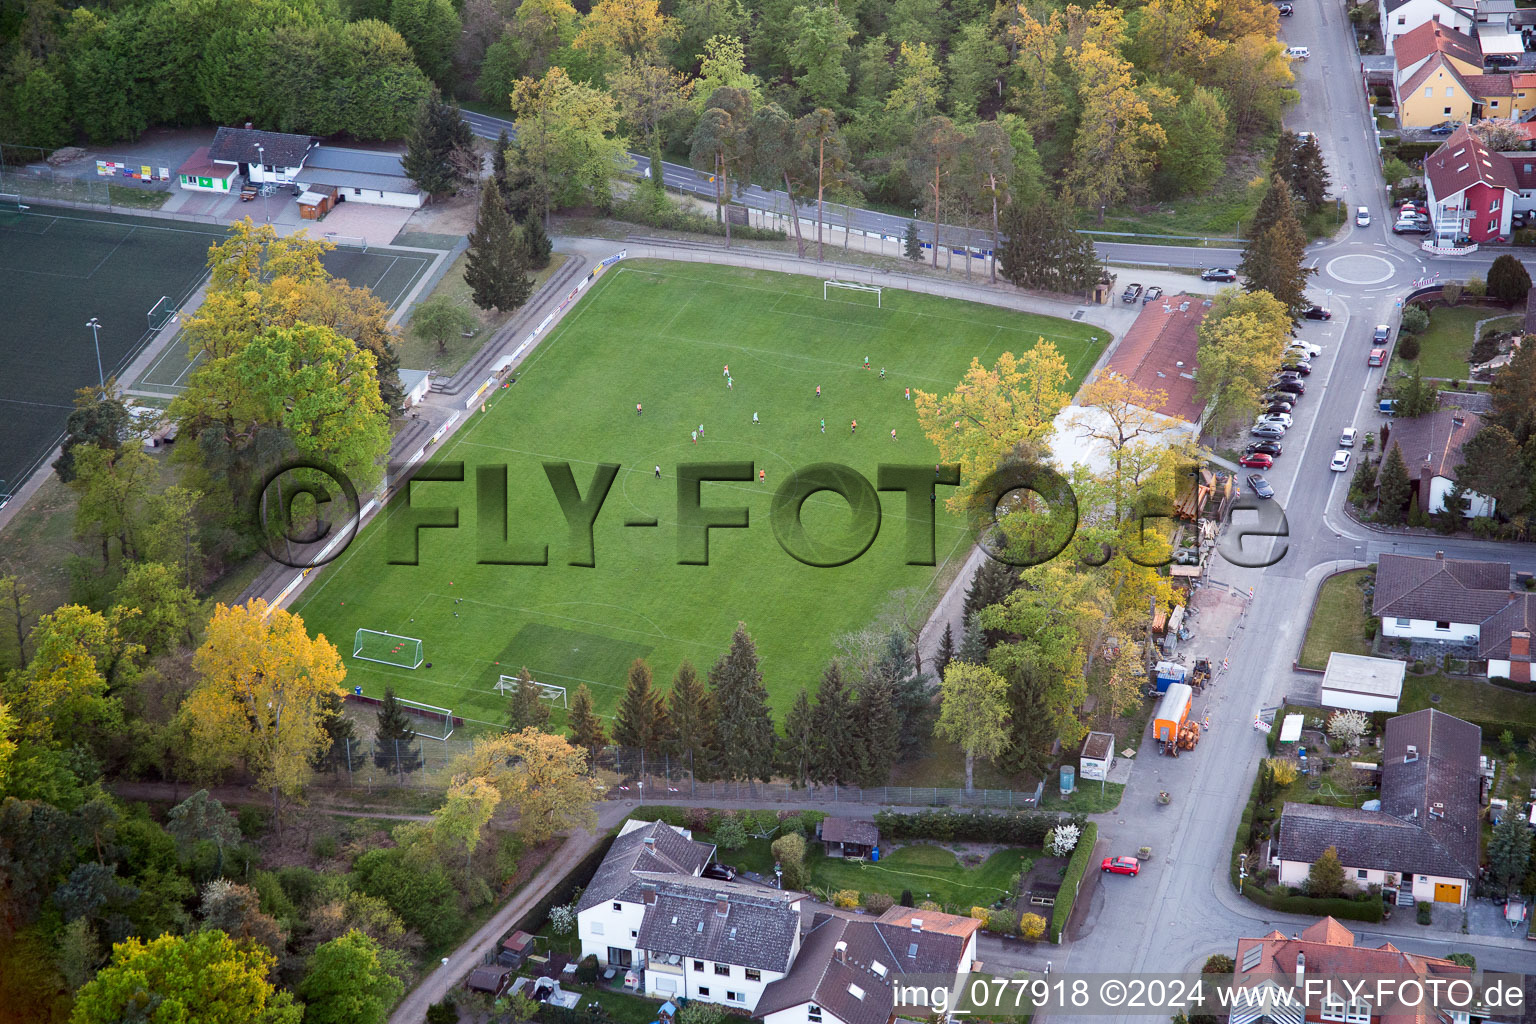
[{"x": 1297, "y": 52}]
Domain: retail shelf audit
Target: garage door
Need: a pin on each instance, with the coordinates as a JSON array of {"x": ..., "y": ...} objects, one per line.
[{"x": 1447, "y": 893}]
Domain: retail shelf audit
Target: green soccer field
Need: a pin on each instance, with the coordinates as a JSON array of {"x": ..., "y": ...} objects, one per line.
[{"x": 660, "y": 334}]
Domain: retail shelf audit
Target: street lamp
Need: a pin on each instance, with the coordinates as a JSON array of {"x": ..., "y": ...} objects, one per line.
[
  {"x": 95, "y": 326},
  {"x": 261, "y": 161}
]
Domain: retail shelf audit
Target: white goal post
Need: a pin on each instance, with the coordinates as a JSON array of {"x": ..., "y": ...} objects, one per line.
[
  {"x": 440, "y": 719},
  {"x": 387, "y": 648},
  {"x": 507, "y": 685},
  {"x": 853, "y": 286}
]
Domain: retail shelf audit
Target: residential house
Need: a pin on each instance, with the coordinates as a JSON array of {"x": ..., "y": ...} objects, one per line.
[
  {"x": 1431, "y": 447},
  {"x": 1436, "y": 91},
  {"x": 1400, "y": 17},
  {"x": 259, "y": 157},
  {"x": 1420, "y": 43},
  {"x": 1437, "y": 598},
  {"x": 647, "y": 913},
  {"x": 1504, "y": 638},
  {"x": 1422, "y": 844},
  {"x": 848, "y": 967},
  {"x": 1327, "y": 949},
  {"x": 1493, "y": 95},
  {"x": 849, "y": 837},
  {"x": 1158, "y": 353},
  {"x": 1494, "y": 24}
]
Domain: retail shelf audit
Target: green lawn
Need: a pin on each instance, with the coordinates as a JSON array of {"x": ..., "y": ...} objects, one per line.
[
  {"x": 137, "y": 198},
  {"x": 1444, "y": 348},
  {"x": 420, "y": 353},
  {"x": 1469, "y": 698},
  {"x": 658, "y": 333},
  {"x": 930, "y": 871},
  {"x": 1340, "y": 620}
]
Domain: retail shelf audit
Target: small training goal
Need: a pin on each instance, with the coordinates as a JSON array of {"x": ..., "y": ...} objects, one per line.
[
  {"x": 826, "y": 287},
  {"x": 507, "y": 685},
  {"x": 437, "y": 723},
  {"x": 387, "y": 648}
]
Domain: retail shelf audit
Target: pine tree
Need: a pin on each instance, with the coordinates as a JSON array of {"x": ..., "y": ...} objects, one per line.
[
  {"x": 527, "y": 708},
  {"x": 746, "y": 735},
  {"x": 1274, "y": 206},
  {"x": 435, "y": 156},
  {"x": 797, "y": 750},
  {"x": 1326, "y": 876},
  {"x": 946, "y": 652},
  {"x": 341, "y": 731},
  {"x": 912, "y": 246},
  {"x": 911, "y": 694},
  {"x": 392, "y": 749},
  {"x": 635, "y": 723},
  {"x": 1273, "y": 260},
  {"x": 1030, "y": 733},
  {"x": 1415, "y": 398},
  {"x": 877, "y": 726},
  {"x": 1392, "y": 487},
  {"x": 535, "y": 242},
  {"x": 993, "y": 582},
  {"x": 1509, "y": 851},
  {"x": 691, "y": 710},
  {"x": 1043, "y": 249},
  {"x": 499, "y": 160},
  {"x": 586, "y": 727},
  {"x": 1508, "y": 280},
  {"x": 973, "y": 644},
  {"x": 835, "y": 760},
  {"x": 1309, "y": 180},
  {"x": 497, "y": 266}
]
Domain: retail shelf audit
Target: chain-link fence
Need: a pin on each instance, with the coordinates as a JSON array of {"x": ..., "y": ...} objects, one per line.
[
  {"x": 113, "y": 182},
  {"x": 628, "y": 774}
]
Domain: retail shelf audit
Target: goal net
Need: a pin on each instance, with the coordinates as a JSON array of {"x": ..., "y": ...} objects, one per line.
[
  {"x": 507, "y": 685},
  {"x": 358, "y": 242},
  {"x": 436, "y": 722},
  {"x": 853, "y": 286},
  {"x": 387, "y": 648}
]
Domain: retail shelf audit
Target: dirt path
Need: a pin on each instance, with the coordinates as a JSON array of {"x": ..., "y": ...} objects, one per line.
[{"x": 172, "y": 792}]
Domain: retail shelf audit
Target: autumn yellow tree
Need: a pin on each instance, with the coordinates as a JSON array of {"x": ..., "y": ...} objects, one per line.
[
  {"x": 1117, "y": 140},
  {"x": 257, "y": 254},
  {"x": 1034, "y": 48},
  {"x": 471, "y": 803},
  {"x": 994, "y": 410},
  {"x": 1241, "y": 339},
  {"x": 1114, "y": 414},
  {"x": 265, "y": 692},
  {"x": 543, "y": 777},
  {"x": 625, "y": 28}
]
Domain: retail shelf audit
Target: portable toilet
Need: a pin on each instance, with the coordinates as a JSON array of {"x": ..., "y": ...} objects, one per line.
[{"x": 1172, "y": 711}]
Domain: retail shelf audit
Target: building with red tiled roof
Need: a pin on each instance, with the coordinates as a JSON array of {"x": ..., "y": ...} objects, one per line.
[
  {"x": 1435, "y": 90},
  {"x": 1327, "y": 949},
  {"x": 1415, "y": 46},
  {"x": 1159, "y": 351},
  {"x": 1472, "y": 190},
  {"x": 201, "y": 174},
  {"x": 1400, "y": 17}
]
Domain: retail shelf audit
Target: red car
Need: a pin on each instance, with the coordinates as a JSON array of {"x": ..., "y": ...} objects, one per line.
[
  {"x": 1122, "y": 865},
  {"x": 1256, "y": 460}
]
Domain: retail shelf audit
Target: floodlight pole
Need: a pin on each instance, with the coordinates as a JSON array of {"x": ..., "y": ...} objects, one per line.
[
  {"x": 261, "y": 161},
  {"x": 95, "y": 326}
]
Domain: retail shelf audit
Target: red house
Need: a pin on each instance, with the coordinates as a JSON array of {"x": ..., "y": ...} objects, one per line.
[{"x": 1472, "y": 189}]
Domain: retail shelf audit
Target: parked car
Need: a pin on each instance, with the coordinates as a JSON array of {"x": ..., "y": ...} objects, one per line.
[
  {"x": 1340, "y": 461},
  {"x": 1219, "y": 274},
  {"x": 1272, "y": 448},
  {"x": 1279, "y": 406},
  {"x": 1256, "y": 461},
  {"x": 1445, "y": 128},
  {"x": 1300, "y": 366},
  {"x": 1282, "y": 418},
  {"x": 1362, "y": 217},
  {"x": 1378, "y": 357},
  {"x": 1411, "y": 226},
  {"x": 1382, "y": 334},
  {"x": 1270, "y": 430},
  {"x": 1122, "y": 865},
  {"x": 1500, "y": 60},
  {"x": 719, "y": 872},
  {"x": 1347, "y": 438},
  {"x": 1317, "y": 313},
  {"x": 1286, "y": 10},
  {"x": 1260, "y": 486},
  {"x": 1295, "y": 387},
  {"x": 1153, "y": 292},
  {"x": 1307, "y": 350},
  {"x": 1132, "y": 292},
  {"x": 1297, "y": 52}
]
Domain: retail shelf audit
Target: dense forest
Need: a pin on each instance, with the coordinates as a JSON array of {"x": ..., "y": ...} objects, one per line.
[{"x": 1106, "y": 103}]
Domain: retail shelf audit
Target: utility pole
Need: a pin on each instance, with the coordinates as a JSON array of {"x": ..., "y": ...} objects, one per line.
[{"x": 95, "y": 326}]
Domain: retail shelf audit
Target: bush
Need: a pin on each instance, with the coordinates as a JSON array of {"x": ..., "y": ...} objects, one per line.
[
  {"x": 445, "y": 1012},
  {"x": 420, "y": 892},
  {"x": 1425, "y": 914},
  {"x": 586, "y": 971},
  {"x": 1408, "y": 346},
  {"x": 1486, "y": 347},
  {"x": 1002, "y": 921},
  {"x": 1072, "y": 879},
  {"x": 906, "y": 898},
  {"x": 878, "y": 902},
  {"x": 789, "y": 851},
  {"x": 1031, "y": 926},
  {"x": 730, "y": 833},
  {"x": 655, "y": 208},
  {"x": 325, "y": 847},
  {"x": 253, "y": 820},
  {"x": 1415, "y": 320},
  {"x": 1477, "y": 287},
  {"x": 845, "y": 899},
  {"x": 1364, "y": 908}
]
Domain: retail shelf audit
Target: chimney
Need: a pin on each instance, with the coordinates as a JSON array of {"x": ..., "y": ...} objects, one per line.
[
  {"x": 917, "y": 924},
  {"x": 650, "y": 841},
  {"x": 1411, "y": 755},
  {"x": 648, "y": 893},
  {"x": 249, "y": 126},
  {"x": 722, "y": 906},
  {"x": 1520, "y": 644},
  {"x": 1440, "y": 556},
  {"x": 1301, "y": 967},
  {"x": 840, "y": 951}
]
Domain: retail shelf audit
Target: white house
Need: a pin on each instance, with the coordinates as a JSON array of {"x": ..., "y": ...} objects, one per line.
[
  {"x": 200, "y": 174},
  {"x": 361, "y": 176},
  {"x": 1399, "y": 17},
  {"x": 260, "y": 157},
  {"x": 1363, "y": 684},
  {"x": 415, "y": 384},
  {"x": 1438, "y": 598},
  {"x": 647, "y": 912},
  {"x": 1505, "y": 638},
  {"x": 1423, "y": 843},
  {"x": 848, "y": 967}
]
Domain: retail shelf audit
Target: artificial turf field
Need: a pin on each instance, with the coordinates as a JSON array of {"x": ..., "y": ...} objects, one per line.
[{"x": 659, "y": 334}]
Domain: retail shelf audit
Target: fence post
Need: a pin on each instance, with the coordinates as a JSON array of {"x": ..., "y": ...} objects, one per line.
[{"x": 349, "y": 762}]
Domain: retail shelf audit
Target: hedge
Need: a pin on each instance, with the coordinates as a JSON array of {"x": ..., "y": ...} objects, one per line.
[
  {"x": 704, "y": 819},
  {"x": 1018, "y": 829},
  {"x": 1245, "y": 826},
  {"x": 1081, "y": 856},
  {"x": 1367, "y": 908}
]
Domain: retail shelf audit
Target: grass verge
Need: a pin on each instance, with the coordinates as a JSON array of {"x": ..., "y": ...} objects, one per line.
[
  {"x": 1444, "y": 348},
  {"x": 1339, "y": 621}
]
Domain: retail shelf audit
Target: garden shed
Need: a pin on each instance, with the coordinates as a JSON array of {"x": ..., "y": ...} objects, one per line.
[{"x": 1359, "y": 683}]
